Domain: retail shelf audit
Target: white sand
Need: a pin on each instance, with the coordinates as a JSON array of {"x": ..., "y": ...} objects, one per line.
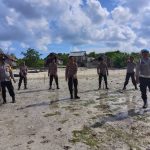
[{"x": 48, "y": 120}]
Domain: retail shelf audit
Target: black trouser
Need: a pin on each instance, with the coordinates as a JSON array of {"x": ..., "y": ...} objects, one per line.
[
  {"x": 9, "y": 86},
  {"x": 73, "y": 82},
  {"x": 128, "y": 75},
  {"x": 24, "y": 78},
  {"x": 100, "y": 80},
  {"x": 144, "y": 83},
  {"x": 51, "y": 80}
]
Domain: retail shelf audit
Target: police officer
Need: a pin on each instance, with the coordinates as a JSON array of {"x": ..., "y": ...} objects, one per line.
[
  {"x": 23, "y": 75},
  {"x": 52, "y": 73},
  {"x": 102, "y": 71},
  {"x": 6, "y": 75},
  {"x": 130, "y": 73},
  {"x": 143, "y": 75},
  {"x": 71, "y": 77}
]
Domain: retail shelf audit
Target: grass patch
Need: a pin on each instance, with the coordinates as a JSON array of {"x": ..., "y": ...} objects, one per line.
[{"x": 85, "y": 136}]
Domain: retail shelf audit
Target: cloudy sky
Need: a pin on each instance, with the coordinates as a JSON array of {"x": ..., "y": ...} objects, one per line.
[{"x": 71, "y": 25}]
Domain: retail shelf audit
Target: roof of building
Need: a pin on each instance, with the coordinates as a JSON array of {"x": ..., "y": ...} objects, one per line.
[
  {"x": 2, "y": 54},
  {"x": 78, "y": 53}
]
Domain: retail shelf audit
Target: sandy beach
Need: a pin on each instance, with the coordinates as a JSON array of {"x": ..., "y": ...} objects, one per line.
[{"x": 43, "y": 119}]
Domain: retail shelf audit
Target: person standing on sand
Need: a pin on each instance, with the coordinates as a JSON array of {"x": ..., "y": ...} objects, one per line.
[
  {"x": 52, "y": 73},
  {"x": 143, "y": 75},
  {"x": 23, "y": 75},
  {"x": 102, "y": 71},
  {"x": 6, "y": 75},
  {"x": 130, "y": 73},
  {"x": 71, "y": 77}
]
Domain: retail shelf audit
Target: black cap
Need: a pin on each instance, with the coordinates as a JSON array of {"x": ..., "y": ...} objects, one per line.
[{"x": 144, "y": 51}]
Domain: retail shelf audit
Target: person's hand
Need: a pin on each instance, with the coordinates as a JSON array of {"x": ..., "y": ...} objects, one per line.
[
  {"x": 75, "y": 76},
  {"x": 14, "y": 80},
  {"x": 137, "y": 80},
  {"x": 66, "y": 78}
]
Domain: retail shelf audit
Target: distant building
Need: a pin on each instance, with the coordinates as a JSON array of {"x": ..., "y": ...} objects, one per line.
[
  {"x": 81, "y": 58},
  {"x": 93, "y": 62}
]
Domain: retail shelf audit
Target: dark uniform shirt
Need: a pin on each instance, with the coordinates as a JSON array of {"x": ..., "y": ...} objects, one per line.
[
  {"x": 102, "y": 69},
  {"x": 130, "y": 67},
  {"x": 71, "y": 70},
  {"x": 52, "y": 69}
]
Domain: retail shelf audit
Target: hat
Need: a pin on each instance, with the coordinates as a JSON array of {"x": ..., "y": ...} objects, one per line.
[{"x": 144, "y": 51}]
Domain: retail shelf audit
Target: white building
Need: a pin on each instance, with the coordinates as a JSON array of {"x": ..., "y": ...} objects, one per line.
[{"x": 81, "y": 58}]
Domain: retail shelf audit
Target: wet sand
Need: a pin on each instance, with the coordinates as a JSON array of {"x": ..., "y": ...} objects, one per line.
[{"x": 100, "y": 120}]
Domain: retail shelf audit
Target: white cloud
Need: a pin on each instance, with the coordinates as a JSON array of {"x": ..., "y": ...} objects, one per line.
[{"x": 35, "y": 23}]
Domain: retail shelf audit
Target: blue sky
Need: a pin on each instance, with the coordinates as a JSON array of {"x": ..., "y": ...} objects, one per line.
[{"x": 73, "y": 25}]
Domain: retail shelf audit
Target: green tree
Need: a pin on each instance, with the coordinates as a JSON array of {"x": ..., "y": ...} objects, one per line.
[{"x": 31, "y": 57}]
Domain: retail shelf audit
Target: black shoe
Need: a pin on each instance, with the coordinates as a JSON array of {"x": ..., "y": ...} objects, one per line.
[
  {"x": 99, "y": 88},
  {"x": 18, "y": 88},
  {"x": 77, "y": 97},
  {"x": 58, "y": 88},
  {"x": 25, "y": 88},
  {"x": 50, "y": 88},
  {"x": 136, "y": 88},
  {"x": 145, "y": 106},
  {"x": 107, "y": 88}
]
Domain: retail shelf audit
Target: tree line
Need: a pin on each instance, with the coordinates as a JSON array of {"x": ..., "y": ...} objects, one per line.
[{"x": 33, "y": 58}]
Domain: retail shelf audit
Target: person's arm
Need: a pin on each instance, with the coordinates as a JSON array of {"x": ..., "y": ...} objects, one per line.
[
  {"x": 12, "y": 75},
  {"x": 137, "y": 72},
  {"x": 56, "y": 69},
  {"x": 66, "y": 73},
  {"x": 76, "y": 69},
  {"x": 27, "y": 70},
  {"x": 107, "y": 70},
  {"x": 48, "y": 71},
  {"x": 98, "y": 70}
]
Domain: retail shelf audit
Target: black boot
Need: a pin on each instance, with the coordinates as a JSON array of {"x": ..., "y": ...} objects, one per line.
[
  {"x": 107, "y": 87},
  {"x": 145, "y": 104},
  {"x": 99, "y": 87},
  {"x": 76, "y": 95},
  {"x": 13, "y": 99},
  {"x": 4, "y": 101},
  {"x": 50, "y": 87},
  {"x": 71, "y": 94},
  {"x": 124, "y": 88},
  {"x": 25, "y": 87}
]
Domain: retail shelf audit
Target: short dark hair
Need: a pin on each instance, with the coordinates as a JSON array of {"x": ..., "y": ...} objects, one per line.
[
  {"x": 100, "y": 59},
  {"x": 144, "y": 51}
]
